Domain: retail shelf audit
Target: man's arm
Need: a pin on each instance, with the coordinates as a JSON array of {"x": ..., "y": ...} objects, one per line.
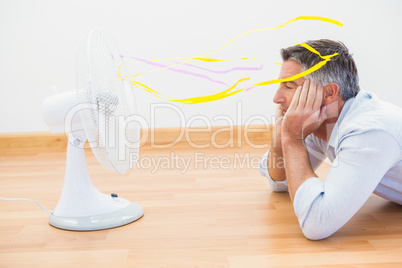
[
  {"x": 275, "y": 163},
  {"x": 304, "y": 115},
  {"x": 272, "y": 163},
  {"x": 322, "y": 207},
  {"x": 298, "y": 168}
]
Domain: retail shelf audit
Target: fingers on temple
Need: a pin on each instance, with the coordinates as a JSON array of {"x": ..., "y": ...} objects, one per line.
[
  {"x": 295, "y": 101},
  {"x": 311, "y": 97},
  {"x": 304, "y": 94}
]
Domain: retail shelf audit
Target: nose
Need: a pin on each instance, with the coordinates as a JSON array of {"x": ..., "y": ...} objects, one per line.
[{"x": 279, "y": 97}]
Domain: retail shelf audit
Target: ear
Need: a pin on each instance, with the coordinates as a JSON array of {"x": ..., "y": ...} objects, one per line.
[{"x": 331, "y": 93}]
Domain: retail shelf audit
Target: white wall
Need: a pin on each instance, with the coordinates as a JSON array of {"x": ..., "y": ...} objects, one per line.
[{"x": 39, "y": 38}]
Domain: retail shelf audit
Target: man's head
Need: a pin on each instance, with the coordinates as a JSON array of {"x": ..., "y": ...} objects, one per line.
[{"x": 340, "y": 73}]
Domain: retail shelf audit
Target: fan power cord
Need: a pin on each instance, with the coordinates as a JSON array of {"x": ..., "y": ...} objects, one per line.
[{"x": 28, "y": 200}]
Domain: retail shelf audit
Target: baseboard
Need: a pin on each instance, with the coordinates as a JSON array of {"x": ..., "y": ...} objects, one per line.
[
  {"x": 32, "y": 140},
  {"x": 198, "y": 137}
]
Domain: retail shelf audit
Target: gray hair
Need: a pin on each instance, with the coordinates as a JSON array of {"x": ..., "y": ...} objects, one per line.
[{"x": 341, "y": 69}]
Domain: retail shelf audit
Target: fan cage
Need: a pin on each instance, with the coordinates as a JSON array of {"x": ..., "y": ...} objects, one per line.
[{"x": 112, "y": 134}]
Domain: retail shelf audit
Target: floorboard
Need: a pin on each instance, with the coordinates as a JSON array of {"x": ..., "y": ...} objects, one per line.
[{"x": 216, "y": 212}]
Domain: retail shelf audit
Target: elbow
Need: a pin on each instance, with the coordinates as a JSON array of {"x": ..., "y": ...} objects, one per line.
[
  {"x": 316, "y": 234},
  {"x": 318, "y": 222},
  {"x": 280, "y": 188},
  {"x": 317, "y": 229},
  {"x": 276, "y": 186},
  {"x": 317, "y": 217}
]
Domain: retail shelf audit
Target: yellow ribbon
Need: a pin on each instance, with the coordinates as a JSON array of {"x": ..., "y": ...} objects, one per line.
[{"x": 228, "y": 92}]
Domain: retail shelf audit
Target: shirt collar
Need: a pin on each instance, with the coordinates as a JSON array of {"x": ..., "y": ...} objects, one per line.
[{"x": 334, "y": 135}]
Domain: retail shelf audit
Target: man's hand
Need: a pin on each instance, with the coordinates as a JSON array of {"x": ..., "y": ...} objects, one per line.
[
  {"x": 305, "y": 113},
  {"x": 304, "y": 116}
]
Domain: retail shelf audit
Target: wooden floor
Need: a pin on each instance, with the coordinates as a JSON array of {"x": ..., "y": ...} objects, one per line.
[{"x": 201, "y": 217}]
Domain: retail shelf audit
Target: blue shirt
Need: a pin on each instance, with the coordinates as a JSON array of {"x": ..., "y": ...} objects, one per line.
[{"x": 365, "y": 155}]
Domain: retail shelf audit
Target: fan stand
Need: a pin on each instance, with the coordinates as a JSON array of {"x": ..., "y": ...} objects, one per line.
[{"x": 81, "y": 206}]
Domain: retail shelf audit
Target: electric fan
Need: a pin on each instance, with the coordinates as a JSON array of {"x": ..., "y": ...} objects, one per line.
[{"x": 97, "y": 112}]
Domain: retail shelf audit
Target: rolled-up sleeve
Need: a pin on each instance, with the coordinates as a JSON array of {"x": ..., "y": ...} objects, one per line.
[
  {"x": 316, "y": 156},
  {"x": 276, "y": 186},
  {"x": 322, "y": 207}
]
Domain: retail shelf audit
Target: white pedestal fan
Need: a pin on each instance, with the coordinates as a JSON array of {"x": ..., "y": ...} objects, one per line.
[{"x": 97, "y": 112}]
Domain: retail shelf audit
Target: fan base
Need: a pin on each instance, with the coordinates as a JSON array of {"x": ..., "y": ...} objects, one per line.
[{"x": 113, "y": 219}]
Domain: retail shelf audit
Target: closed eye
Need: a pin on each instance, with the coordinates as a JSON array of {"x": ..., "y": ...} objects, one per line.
[{"x": 290, "y": 84}]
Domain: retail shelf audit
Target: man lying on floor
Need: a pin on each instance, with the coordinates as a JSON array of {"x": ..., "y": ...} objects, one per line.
[{"x": 326, "y": 115}]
